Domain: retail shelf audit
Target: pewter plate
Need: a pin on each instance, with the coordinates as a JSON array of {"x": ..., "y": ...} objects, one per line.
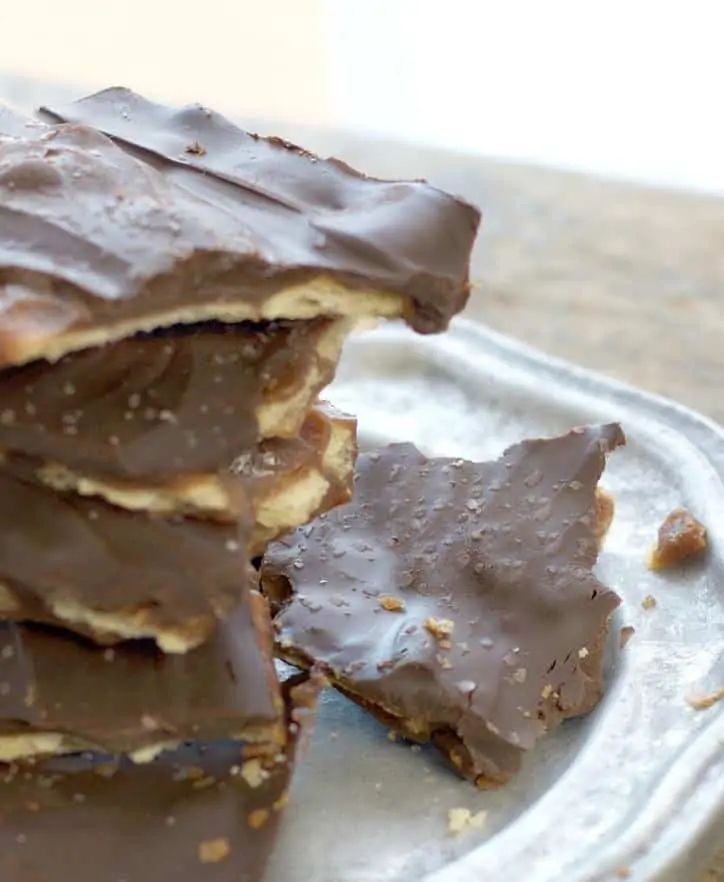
[{"x": 640, "y": 782}]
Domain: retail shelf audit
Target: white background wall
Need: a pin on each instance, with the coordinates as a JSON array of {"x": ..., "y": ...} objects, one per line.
[{"x": 632, "y": 88}]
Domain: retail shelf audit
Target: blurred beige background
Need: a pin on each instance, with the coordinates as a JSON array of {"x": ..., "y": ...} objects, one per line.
[{"x": 259, "y": 58}]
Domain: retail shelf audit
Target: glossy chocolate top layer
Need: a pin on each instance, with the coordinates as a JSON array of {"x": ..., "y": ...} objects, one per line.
[
  {"x": 133, "y": 697},
  {"x": 182, "y": 400},
  {"x": 201, "y": 813},
  {"x": 63, "y": 556},
  {"x": 457, "y": 599},
  {"x": 192, "y": 218}
]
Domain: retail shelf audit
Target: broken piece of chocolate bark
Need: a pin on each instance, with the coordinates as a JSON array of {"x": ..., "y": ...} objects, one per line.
[
  {"x": 112, "y": 574},
  {"x": 61, "y": 694},
  {"x": 203, "y": 812},
  {"x": 101, "y": 240},
  {"x": 456, "y": 601}
]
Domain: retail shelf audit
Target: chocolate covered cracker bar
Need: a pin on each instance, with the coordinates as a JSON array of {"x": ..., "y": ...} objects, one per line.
[
  {"x": 113, "y": 574},
  {"x": 287, "y": 480},
  {"x": 61, "y": 694},
  {"x": 164, "y": 405},
  {"x": 200, "y": 813},
  {"x": 192, "y": 219},
  {"x": 456, "y": 601}
]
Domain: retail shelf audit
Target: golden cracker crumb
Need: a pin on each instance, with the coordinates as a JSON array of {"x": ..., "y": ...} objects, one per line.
[
  {"x": 258, "y": 818},
  {"x": 211, "y": 851},
  {"x": 704, "y": 702},
  {"x": 392, "y": 735},
  {"x": 649, "y": 602},
  {"x": 254, "y": 773},
  {"x": 547, "y": 691},
  {"x": 461, "y": 819},
  {"x": 441, "y": 629},
  {"x": 391, "y": 604},
  {"x": 583, "y": 652}
]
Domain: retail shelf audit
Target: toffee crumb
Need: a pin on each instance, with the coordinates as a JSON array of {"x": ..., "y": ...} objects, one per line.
[
  {"x": 212, "y": 851},
  {"x": 461, "y": 819},
  {"x": 441, "y": 629},
  {"x": 680, "y": 538},
  {"x": 391, "y": 604}
]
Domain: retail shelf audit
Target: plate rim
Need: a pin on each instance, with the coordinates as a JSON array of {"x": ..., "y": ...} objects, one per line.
[{"x": 668, "y": 847}]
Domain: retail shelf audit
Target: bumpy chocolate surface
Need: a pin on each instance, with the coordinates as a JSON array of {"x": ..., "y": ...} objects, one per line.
[
  {"x": 201, "y": 813},
  {"x": 110, "y": 573},
  {"x": 60, "y": 693},
  {"x": 454, "y": 600},
  {"x": 184, "y": 400},
  {"x": 192, "y": 218}
]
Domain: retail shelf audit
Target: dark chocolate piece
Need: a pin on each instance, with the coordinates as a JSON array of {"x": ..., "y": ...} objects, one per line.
[
  {"x": 60, "y": 693},
  {"x": 454, "y": 600},
  {"x": 98, "y": 241},
  {"x": 201, "y": 813},
  {"x": 161, "y": 405},
  {"x": 113, "y": 574}
]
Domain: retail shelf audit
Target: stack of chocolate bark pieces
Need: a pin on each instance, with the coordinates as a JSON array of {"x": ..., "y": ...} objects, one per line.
[{"x": 174, "y": 297}]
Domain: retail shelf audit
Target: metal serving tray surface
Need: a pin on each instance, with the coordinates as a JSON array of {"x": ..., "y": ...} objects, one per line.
[{"x": 639, "y": 784}]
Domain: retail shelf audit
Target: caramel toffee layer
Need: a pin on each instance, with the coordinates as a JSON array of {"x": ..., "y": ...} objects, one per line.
[
  {"x": 60, "y": 693},
  {"x": 185, "y": 400},
  {"x": 191, "y": 218},
  {"x": 112, "y": 574},
  {"x": 455, "y": 600},
  {"x": 289, "y": 480},
  {"x": 200, "y": 813}
]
